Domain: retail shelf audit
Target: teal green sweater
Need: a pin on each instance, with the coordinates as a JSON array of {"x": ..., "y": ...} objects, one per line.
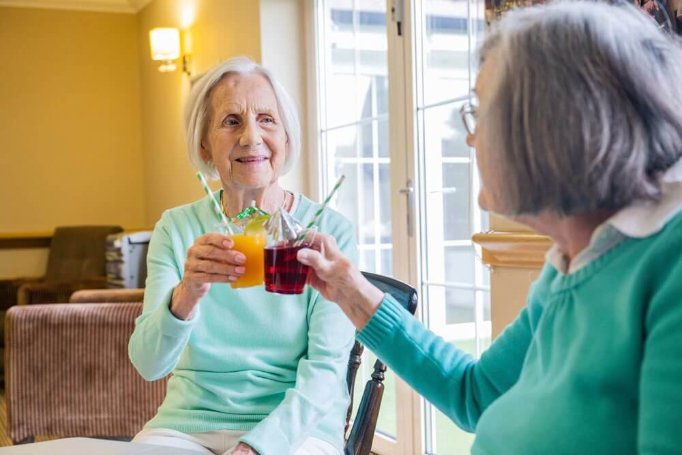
[
  {"x": 269, "y": 364},
  {"x": 593, "y": 364}
]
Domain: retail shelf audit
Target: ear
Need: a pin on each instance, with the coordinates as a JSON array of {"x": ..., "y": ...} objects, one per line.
[{"x": 204, "y": 153}]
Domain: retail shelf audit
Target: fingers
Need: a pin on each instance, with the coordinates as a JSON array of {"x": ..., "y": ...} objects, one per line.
[
  {"x": 215, "y": 239},
  {"x": 211, "y": 259},
  {"x": 316, "y": 283},
  {"x": 215, "y": 247},
  {"x": 201, "y": 277},
  {"x": 319, "y": 242},
  {"x": 209, "y": 271},
  {"x": 308, "y": 256},
  {"x": 243, "y": 449},
  {"x": 324, "y": 256},
  {"x": 321, "y": 266},
  {"x": 216, "y": 256},
  {"x": 325, "y": 244},
  {"x": 331, "y": 273}
]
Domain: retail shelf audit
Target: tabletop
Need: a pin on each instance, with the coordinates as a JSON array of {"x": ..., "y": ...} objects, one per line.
[{"x": 75, "y": 446}]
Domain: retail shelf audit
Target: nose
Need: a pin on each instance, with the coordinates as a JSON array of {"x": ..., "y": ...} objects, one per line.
[{"x": 251, "y": 135}]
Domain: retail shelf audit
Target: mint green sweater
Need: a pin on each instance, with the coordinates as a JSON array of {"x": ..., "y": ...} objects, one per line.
[
  {"x": 269, "y": 364},
  {"x": 593, "y": 364}
]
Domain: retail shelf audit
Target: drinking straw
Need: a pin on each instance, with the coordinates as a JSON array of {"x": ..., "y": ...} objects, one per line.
[
  {"x": 316, "y": 216},
  {"x": 216, "y": 204}
]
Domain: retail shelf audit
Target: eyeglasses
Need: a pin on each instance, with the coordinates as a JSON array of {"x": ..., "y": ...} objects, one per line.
[{"x": 469, "y": 114}]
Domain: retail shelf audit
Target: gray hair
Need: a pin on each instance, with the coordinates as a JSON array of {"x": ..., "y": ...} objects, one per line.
[
  {"x": 197, "y": 112},
  {"x": 585, "y": 109}
]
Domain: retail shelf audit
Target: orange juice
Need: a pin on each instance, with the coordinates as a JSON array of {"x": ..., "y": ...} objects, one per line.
[{"x": 251, "y": 245}]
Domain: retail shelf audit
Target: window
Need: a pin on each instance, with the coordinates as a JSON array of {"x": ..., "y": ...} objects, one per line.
[
  {"x": 388, "y": 118},
  {"x": 354, "y": 120}
]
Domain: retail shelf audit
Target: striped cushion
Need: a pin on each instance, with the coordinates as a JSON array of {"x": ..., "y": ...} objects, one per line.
[{"x": 68, "y": 372}]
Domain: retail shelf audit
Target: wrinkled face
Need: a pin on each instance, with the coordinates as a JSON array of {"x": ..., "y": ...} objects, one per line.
[
  {"x": 480, "y": 140},
  {"x": 244, "y": 135}
]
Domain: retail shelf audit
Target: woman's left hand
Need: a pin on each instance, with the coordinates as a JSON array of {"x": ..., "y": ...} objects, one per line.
[
  {"x": 243, "y": 449},
  {"x": 338, "y": 280}
]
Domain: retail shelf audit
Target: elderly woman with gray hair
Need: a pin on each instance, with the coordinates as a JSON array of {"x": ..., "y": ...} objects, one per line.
[
  {"x": 578, "y": 134},
  {"x": 252, "y": 372}
]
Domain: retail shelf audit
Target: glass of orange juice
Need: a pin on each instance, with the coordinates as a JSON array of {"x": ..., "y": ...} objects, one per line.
[{"x": 251, "y": 244}]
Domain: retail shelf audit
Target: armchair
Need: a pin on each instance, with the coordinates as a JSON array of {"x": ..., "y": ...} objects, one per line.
[{"x": 76, "y": 261}]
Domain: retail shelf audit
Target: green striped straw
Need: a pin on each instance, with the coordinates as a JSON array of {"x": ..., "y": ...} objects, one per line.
[
  {"x": 316, "y": 216},
  {"x": 216, "y": 204}
]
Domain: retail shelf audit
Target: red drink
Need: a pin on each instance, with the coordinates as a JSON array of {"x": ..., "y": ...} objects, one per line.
[{"x": 283, "y": 273}]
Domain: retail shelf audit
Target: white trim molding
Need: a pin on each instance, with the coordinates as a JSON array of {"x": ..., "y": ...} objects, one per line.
[{"x": 103, "y": 6}]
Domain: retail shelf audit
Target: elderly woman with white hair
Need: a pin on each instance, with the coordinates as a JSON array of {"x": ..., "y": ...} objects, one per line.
[
  {"x": 252, "y": 372},
  {"x": 578, "y": 133}
]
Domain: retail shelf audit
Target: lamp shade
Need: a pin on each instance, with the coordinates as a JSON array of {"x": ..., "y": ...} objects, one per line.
[{"x": 165, "y": 43}]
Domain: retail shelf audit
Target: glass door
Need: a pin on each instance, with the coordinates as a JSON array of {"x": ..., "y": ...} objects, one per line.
[
  {"x": 391, "y": 76},
  {"x": 353, "y": 135},
  {"x": 454, "y": 285}
]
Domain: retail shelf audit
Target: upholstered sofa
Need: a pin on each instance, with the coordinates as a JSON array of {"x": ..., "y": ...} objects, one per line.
[
  {"x": 68, "y": 372},
  {"x": 76, "y": 261}
]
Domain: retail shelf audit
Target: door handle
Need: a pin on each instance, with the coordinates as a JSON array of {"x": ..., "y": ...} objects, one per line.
[{"x": 408, "y": 191}]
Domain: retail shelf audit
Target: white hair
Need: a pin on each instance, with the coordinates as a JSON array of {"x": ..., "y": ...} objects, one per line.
[{"x": 197, "y": 112}]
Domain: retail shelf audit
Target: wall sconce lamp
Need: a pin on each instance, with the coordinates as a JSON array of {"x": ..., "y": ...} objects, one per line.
[{"x": 165, "y": 47}]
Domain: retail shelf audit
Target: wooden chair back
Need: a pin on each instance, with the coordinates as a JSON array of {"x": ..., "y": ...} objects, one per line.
[{"x": 361, "y": 435}]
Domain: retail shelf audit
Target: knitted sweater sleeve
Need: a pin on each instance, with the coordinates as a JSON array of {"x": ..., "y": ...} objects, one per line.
[
  {"x": 320, "y": 378},
  {"x": 159, "y": 337},
  {"x": 449, "y": 378},
  {"x": 660, "y": 415}
]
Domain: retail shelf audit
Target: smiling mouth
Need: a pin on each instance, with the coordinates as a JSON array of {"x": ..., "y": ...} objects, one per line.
[{"x": 251, "y": 159}]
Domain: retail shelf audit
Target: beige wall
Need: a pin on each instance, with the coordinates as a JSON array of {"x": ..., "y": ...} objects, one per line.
[
  {"x": 96, "y": 130},
  {"x": 216, "y": 30},
  {"x": 285, "y": 18},
  {"x": 70, "y": 135},
  {"x": 212, "y": 31}
]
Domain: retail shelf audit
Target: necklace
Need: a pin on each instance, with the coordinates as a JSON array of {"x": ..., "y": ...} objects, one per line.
[{"x": 285, "y": 206}]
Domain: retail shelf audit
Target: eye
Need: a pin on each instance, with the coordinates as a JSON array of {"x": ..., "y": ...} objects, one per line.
[
  {"x": 267, "y": 119},
  {"x": 231, "y": 120}
]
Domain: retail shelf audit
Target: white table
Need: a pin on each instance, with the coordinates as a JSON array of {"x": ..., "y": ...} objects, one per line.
[{"x": 77, "y": 446}]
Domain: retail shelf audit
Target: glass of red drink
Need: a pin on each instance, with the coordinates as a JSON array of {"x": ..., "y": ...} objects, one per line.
[{"x": 283, "y": 273}]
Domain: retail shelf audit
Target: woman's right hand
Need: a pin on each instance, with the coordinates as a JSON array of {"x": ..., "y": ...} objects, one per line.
[
  {"x": 243, "y": 449},
  {"x": 210, "y": 259}
]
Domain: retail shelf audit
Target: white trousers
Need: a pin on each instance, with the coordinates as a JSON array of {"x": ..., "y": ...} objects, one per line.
[{"x": 219, "y": 442}]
